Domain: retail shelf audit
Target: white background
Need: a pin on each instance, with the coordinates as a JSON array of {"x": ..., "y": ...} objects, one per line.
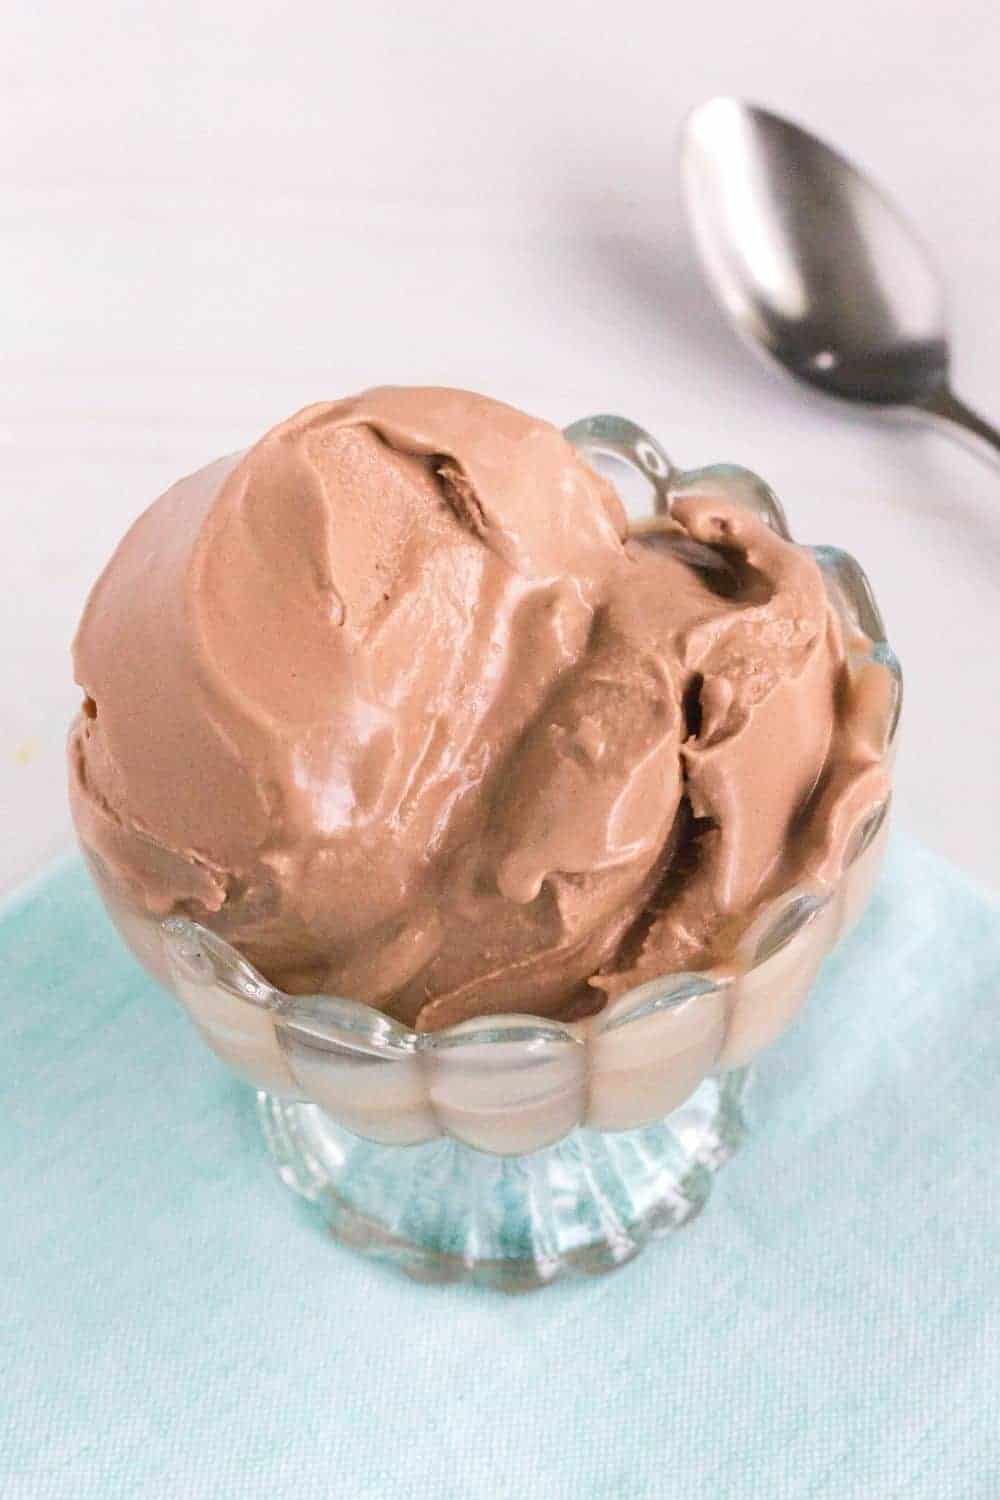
[{"x": 213, "y": 214}]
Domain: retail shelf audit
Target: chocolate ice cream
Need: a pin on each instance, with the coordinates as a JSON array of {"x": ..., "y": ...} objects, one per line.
[{"x": 395, "y": 704}]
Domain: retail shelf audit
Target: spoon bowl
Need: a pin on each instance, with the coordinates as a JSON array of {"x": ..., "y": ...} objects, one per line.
[{"x": 815, "y": 266}]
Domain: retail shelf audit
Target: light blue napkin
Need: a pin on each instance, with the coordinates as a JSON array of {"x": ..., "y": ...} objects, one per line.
[{"x": 175, "y": 1325}]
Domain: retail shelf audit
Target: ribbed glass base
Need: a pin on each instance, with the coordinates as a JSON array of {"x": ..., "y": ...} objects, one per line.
[{"x": 445, "y": 1212}]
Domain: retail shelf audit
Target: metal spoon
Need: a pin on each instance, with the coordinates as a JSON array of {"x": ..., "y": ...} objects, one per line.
[{"x": 814, "y": 265}]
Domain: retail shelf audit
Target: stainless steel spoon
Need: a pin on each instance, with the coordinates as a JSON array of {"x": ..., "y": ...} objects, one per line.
[{"x": 816, "y": 267}]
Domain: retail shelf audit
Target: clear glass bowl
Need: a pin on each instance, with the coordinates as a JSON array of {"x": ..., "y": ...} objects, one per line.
[{"x": 510, "y": 1149}]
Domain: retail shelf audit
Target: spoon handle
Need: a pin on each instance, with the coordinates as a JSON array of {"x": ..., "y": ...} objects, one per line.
[{"x": 945, "y": 405}]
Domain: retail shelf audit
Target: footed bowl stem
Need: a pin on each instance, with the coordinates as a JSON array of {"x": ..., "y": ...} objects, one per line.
[{"x": 444, "y": 1212}]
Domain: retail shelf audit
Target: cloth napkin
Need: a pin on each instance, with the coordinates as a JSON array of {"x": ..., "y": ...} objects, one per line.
[{"x": 173, "y": 1323}]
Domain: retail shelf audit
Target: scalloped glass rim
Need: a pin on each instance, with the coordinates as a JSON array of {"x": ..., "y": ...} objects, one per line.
[{"x": 350, "y": 1027}]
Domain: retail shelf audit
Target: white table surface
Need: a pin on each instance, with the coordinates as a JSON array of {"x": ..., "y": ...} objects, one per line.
[{"x": 212, "y": 215}]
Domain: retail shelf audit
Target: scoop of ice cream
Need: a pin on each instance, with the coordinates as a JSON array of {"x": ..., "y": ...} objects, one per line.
[{"x": 394, "y": 704}]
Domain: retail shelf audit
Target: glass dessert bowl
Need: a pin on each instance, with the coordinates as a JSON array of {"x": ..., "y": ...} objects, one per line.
[{"x": 510, "y": 1149}]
